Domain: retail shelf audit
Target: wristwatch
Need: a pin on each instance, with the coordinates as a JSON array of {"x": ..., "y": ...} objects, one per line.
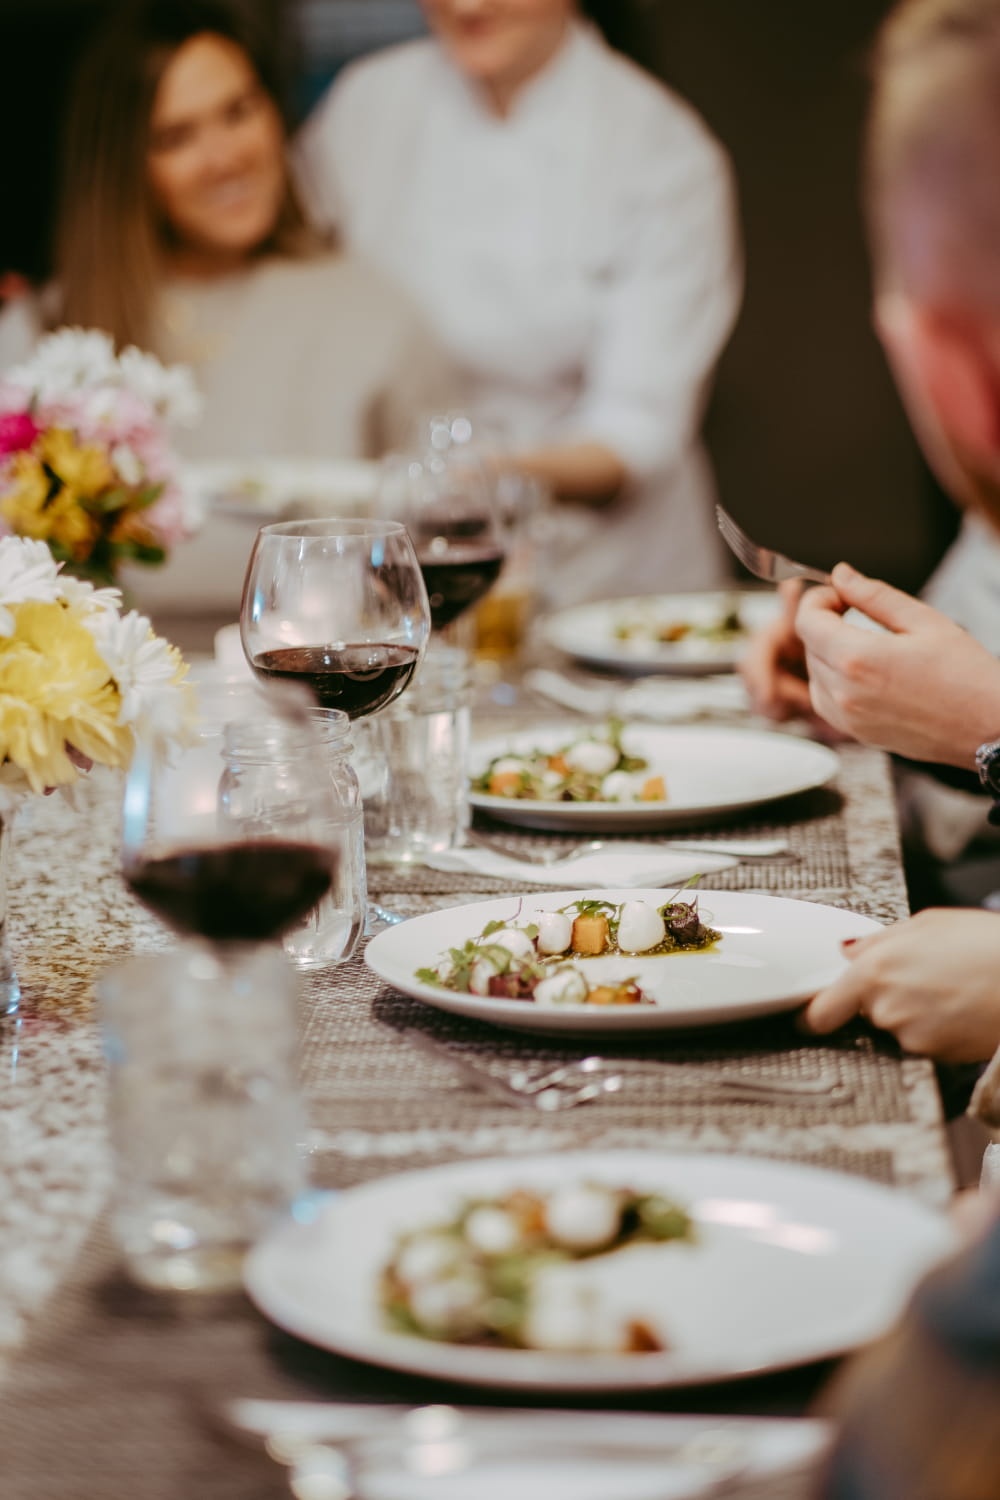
[{"x": 988, "y": 766}]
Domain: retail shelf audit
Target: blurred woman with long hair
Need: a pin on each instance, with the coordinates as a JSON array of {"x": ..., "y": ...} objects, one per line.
[{"x": 180, "y": 230}]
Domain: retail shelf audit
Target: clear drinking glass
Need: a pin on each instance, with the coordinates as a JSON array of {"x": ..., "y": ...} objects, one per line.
[
  {"x": 412, "y": 762},
  {"x": 205, "y": 1114}
]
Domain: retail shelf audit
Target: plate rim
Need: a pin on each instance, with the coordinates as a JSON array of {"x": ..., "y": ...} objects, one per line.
[
  {"x": 515, "y": 1014},
  {"x": 387, "y": 1349}
]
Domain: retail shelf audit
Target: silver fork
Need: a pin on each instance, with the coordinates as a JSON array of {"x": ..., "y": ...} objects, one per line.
[
  {"x": 773, "y": 567},
  {"x": 573, "y": 1085}
]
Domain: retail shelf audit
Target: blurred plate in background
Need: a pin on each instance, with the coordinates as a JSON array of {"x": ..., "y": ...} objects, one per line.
[{"x": 676, "y": 633}]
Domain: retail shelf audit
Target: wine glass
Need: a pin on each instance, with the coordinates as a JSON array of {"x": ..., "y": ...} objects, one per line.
[
  {"x": 212, "y": 869},
  {"x": 446, "y": 499},
  {"x": 338, "y": 606}
]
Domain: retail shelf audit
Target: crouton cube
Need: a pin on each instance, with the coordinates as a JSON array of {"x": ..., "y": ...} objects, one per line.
[
  {"x": 654, "y": 789},
  {"x": 590, "y": 934},
  {"x": 505, "y": 783}
]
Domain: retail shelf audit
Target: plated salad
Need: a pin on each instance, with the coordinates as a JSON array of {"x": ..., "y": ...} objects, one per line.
[
  {"x": 728, "y": 625},
  {"x": 594, "y": 768},
  {"x": 532, "y": 961},
  {"x": 496, "y": 1273}
]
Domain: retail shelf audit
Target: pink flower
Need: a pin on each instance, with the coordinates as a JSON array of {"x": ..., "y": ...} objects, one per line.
[{"x": 17, "y": 431}]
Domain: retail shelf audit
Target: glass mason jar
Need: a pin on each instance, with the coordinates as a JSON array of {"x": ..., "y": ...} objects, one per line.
[
  {"x": 412, "y": 761},
  {"x": 270, "y": 767}
]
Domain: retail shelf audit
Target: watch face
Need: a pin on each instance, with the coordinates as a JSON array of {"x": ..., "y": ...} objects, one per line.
[{"x": 988, "y": 764}]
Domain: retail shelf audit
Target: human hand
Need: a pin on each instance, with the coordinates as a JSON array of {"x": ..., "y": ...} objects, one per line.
[
  {"x": 923, "y": 687},
  {"x": 774, "y": 664},
  {"x": 931, "y": 981}
]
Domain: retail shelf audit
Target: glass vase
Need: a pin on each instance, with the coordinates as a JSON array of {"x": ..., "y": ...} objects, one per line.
[{"x": 10, "y": 990}]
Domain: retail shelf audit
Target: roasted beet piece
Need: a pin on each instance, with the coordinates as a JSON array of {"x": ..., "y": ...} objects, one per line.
[
  {"x": 683, "y": 923},
  {"x": 511, "y": 987}
]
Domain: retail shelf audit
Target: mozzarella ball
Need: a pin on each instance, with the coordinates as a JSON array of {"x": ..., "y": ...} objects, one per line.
[
  {"x": 583, "y": 1218},
  {"x": 508, "y": 763},
  {"x": 555, "y": 932},
  {"x": 551, "y": 780},
  {"x": 448, "y": 1307},
  {"x": 425, "y": 1258},
  {"x": 483, "y": 970},
  {"x": 514, "y": 940},
  {"x": 491, "y": 1231},
  {"x": 559, "y": 1316},
  {"x": 620, "y": 786},
  {"x": 564, "y": 987},
  {"x": 592, "y": 757},
  {"x": 640, "y": 927},
  {"x": 445, "y": 968}
]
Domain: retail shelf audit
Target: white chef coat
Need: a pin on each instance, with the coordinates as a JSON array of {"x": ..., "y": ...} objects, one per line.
[{"x": 578, "y": 259}]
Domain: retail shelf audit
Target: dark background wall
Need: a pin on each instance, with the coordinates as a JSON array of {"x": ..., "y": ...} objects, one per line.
[{"x": 810, "y": 445}]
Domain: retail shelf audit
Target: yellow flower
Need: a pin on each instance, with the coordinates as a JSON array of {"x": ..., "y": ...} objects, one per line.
[
  {"x": 41, "y": 507},
  {"x": 55, "y": 690},
  {"x": 87, "y": 470}
]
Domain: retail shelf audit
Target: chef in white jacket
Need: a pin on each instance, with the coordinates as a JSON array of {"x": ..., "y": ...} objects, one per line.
[{"x": 567, "y": 226}]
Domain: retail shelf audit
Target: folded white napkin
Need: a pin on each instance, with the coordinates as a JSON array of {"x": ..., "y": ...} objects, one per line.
[
  {"x": 666, "y": 700},
  {"x": 775, "y": 1453},
  {"x": 651, "y": 865}
]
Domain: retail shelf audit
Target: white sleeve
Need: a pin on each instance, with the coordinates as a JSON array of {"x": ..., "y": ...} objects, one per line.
[
  {"x": 316, "y": 154},
  {"x": 670, "y": 301}
]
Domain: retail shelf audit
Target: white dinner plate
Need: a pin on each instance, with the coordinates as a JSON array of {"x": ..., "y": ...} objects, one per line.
[
  {"x": 709, "y": 774},
  {"x": 792, "y": 1264},
  {"x": 273, "y": 489},
  {"x": 774, "y": 954},
  {"x": 588, "y": 632}
]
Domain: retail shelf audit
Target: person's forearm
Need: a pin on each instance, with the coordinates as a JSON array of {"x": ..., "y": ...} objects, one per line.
[{"x": 586, "y": 473}]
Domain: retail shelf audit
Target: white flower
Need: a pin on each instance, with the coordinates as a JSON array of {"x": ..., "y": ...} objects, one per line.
[
  {"x": 127, "y": 464},
  {"x": 146, "y": 670},
  {"x": 67, "y": 361},
  {"x": 171, "y": 391},
  {"x": 27, "y": 571},
  {"x": 83, "y": 598}
]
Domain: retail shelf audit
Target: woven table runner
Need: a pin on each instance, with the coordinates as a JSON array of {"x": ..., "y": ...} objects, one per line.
[{"x": 108, "y": 1398}]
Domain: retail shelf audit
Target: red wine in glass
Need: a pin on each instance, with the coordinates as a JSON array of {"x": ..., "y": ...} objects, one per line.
[
  {"x": 458, "y": 578},
  {"x": 234, "y": 893},
  {"x": 360, "y": 679}
]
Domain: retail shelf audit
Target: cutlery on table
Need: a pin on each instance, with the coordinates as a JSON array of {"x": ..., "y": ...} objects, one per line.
[
  {"x": 307, "y": 1437},
  {"x": 655, "y": 698},
  {"x": 574, "y": 1085},
  {"x": 587, "y": 1078},
  {"x": 826, "y": 1086},
  {"x": 738, "y": 848}
]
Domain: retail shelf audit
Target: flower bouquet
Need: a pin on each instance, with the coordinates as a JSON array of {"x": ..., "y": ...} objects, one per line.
[
  {"x": 80, "y": 684},
  {"x": 85, "y": 461}
]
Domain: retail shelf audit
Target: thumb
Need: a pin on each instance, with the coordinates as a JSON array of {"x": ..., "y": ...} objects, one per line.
[{"x": 879, "y": 601}]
